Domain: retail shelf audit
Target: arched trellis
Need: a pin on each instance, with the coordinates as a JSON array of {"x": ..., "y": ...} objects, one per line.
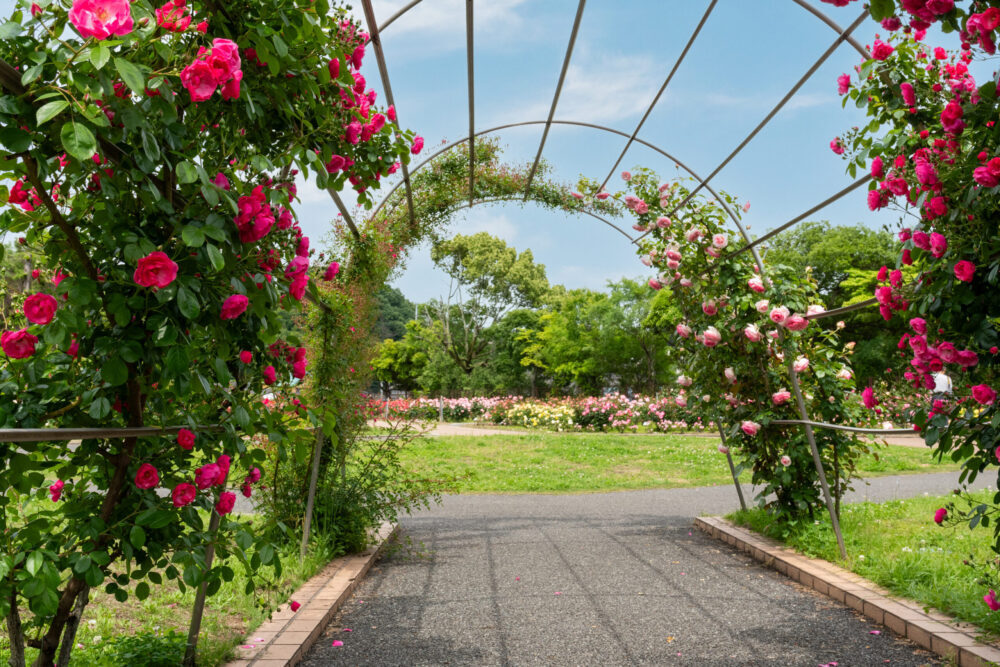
[{"x": 843, "y": 36}]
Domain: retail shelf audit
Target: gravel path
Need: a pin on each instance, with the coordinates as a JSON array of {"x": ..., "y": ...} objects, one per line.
[{"x": 612, "y": 579}]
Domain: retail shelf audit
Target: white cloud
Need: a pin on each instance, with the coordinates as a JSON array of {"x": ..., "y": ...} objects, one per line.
[
  {"x": 434, "y": 17},
  {"x": 484, "y": 220},
  {"x": 602, "y": 89}
]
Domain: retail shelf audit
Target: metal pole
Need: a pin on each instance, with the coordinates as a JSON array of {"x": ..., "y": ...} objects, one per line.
[
  {"x": 810, "y": 436},
  {"x": 470, "y": 52},
  {"x": 732, "y": 470},
  {"x": 440, "y": 409},
  {"x": 191, "y": 652},
  {"x": 311, "y": 498}
]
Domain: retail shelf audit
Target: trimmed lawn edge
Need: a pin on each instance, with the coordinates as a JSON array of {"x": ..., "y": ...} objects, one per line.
[
  {"x": 932, "y": 630},
  {"x": 288, "y": 636}
]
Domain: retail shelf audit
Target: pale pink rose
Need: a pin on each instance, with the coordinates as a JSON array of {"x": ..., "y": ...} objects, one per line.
[
  {"x": 730, "y": 375},
  {"x": 686, "y": 282},
  {"x": 762, "y": 306},
  {"x": 801, "y": 364},
  {"x": 693, "y": 234},
  {"x": 683, "y": 330},
  {"x": 815, "y": 309},
  {"x": 711, "y": 337},
  {"x": 646, "y": 260},
  {"x": 626, "y": 176},
  {"x": 641, "y": 207},
  {"x": 712, "y": 252},
  {"x": 796, "y": 323},
  {"x": 709, "y": 307},
  {"x": 681, "y": 402},
  {"x": 786, "y": 460},
  {"x": 655, "y": 284},
  {"x": 844, "y": 374},
  {"x": 603, "y": 195},
  {"x": 753, "y": 333},
  {"x": 723, "y": 449},
  {"x": 750, "y": 428},
  {"x": 662, "y": 222},
  {"x": 684, "y": 380},
  {"x": 756, "y": 284},
  {"x": 720, "y": 241},
  {"x": 780, "y": 397},
  {"x": 101, "y": 18},
  {"x": 779, "y": 314},
  {"x": 673, "y": 254}
]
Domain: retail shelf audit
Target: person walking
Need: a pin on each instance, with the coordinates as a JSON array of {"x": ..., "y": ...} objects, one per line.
[{"x": 942, "y": 386}]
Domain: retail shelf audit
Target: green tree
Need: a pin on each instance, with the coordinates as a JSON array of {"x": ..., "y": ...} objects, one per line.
[{"x": 394, "y": 311}]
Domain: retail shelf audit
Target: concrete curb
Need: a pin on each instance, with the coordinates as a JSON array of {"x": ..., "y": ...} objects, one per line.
[
  {"x": 287, "y": 637},
  {"x": 931, "y": 630}
]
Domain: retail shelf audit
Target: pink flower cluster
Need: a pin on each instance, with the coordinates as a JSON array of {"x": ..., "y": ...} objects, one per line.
[
  {"x": 101, "y": 19},
  {"x": 219, "y": 66}
]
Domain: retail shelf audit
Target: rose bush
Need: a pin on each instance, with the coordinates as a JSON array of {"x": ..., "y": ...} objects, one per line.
[{"x": 164, "y": 216}]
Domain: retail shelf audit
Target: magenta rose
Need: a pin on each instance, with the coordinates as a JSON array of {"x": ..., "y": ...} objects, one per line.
[
  {"x": 964, "y": 270},
  {"x": 868, "y": 398},
  {"x": 940, "y": 515},
  {"x": 418, "y": 145},
  {"x": 55, "y": 490},
  {"x": 234, "y": 306},
  {"x": 331, "y": 271},
  {"x": 984, "y": 394},
  {"x": 951, "y": 117},
  {"x": 185, "y": 439},
  {"x": 223, "y": 463},
  {"x": 183, "y": 494},
  {"x": 200, "y": 81},
  {"x": 155, "y": 270},
  {"x": 246, "y": 356},
  {"x": 101, "y": 18},
  {"x": 226, "y": 502},
  {"x": 146, "y": 477},
  {"x": 40, "y": 308},
  {"x": 881, "y": 50},
  {"x": 270, "y": 376},
  {"x": 18, "y": 344},
  {"x": 206, "y": 475}
]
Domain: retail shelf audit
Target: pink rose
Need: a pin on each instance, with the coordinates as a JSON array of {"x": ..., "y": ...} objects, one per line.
[
  {"x": 843, "y": 84},
  {"x": 985, "y": 177},
  {"x": 246, "y": 356},
  {"x": 225, "y": 56},
  {"x": 206, "y": 476},
  {"x": 55, "y": 490},
  {"x": 868, "y": 398},
  {"x": 730, "y": 375},
  {"x": 926, "y": 173},
  {"x": 786, "y": 460},
  {"x": 254, "y": 476},
  {"x": 185, "y": 439},
  {"x": 984, "y": 394},
  {"x": 711, "y": 337},
  {"x": 919, "y": 325},
  {"x": 881, "y": 50},
  {"x": 780, "y": 397},
  {"x": 146, "y": 477},
  {"x": 183, "y": 494},
  {"x": 951, "y": 117},
  {"x": 231, "y": 89},
  {"x": 723, "y": 449},
  {"x": 964, "y": 270},
  {"x": 779, "y": 314},
  {"x": 909, "y": 97},
  {"x": 762, "y": 306},
  {"x": 626, "y": 176},
  {"x": 299, "y": 369},
  {"x": 418, "y": 145},
  {"x": 200, "y": 81},
  {"x": 991, "y": 600},
  {"x": 40, "y": 308},
  {"x": 234, "y": 306},
  {"x": 101, "y": 18},
  {"x": 720, "y": 241},
  {"x": 155, "y": 270},
  {"x": 940, "y": 515},
  {"x": 223, "y": 463},
  {"x": 796, "y": 323},
  {"x": 801, "y": 364},
  {"x": 246, "y": 490},
  {"x": 655, "y": 284},
  {"x": 18, "y": 344},
  {"x": 753, "y": 333},
  {"x": 226, "y": 502},
  {"x": 331, "y": 271},
  {"x": 966, "y": 358},
  {"x": 220, "y": 181},
  {"x": 683, "y": 330},
  {"x": 294, "y": 606},
  {"x": 877, "y": 169},
  {"x": 756, "y": 284},
  {"x": 750, "y": 428},
  {"x": 709, "y": 307},
  {"x": 270, "y": 375}
]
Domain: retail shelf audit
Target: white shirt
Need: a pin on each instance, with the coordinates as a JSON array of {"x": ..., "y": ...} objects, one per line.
[{"x": 942, "y": 383}]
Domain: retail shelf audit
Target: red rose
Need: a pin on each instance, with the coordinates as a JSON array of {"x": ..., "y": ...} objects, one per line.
[
  {"x": 269, "y": 375},
  {"x": 984, "y": 394},
  {"x": 155, "y": 270},
  {"x": 18, "y": 344},
  {"x": 964, "y": 270},
  {"x": 183, "y": 494},
  {"x": 146, "y": 477},
  {"x": 226, "y": 502},
  {"x": 234, "y": 306},
  {"x": 185, "y": 439},
  {"x": 206, "y": 476},
  {"x": 246, "y": 356},
  {"x": 39, "y": 308}
]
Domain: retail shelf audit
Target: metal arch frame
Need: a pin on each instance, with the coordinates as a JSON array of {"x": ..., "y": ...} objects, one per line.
[
  {"x": 594, "y": 126},
  {"x": 383, "y": 70},
  {"x": 555, "y": 98},
  {"x": 771, "y": 114},
  {"x": 666, "y": 82},
  {"x": 470, "y": 52}
]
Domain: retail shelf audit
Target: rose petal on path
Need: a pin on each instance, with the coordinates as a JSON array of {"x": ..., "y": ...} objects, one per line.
[
  {"x": 346, "y": 630},
  {"x": 875, "y": 632},
  {"x": 557, "y": 593},
  {"x": 247, "y": 646},
  {"x": 337, "y": 642}
]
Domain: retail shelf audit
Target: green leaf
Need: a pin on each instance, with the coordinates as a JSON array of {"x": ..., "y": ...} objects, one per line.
[
  {"x": 193, "y": 236},
  {"x": 82, "y": 564},
  {"x": 215, "y": 256},
  {"x": 279, "y": 46},
  {"x": 99, "y": 56},
  {"x": 78, "y": 140},
  {"x": 142, "y": 590},
  {"x": 882, "y": 9},
  {"x": 15, "y": 139},
  {"x": 100, "y": 408},
  {"x": 31, "y": 74},
  {"x": 48, "y": 111},
  {"x": 137, "y": 536},
  {"x": 114, "y": 371},
  {"x": 34, "y": 562},
  {"x": 10, "y": 29},
  {"x": 188, "y": 303},
  {"x": 131, "y": 75},
  {"x": 186, "y": 173},
  {"x": 150, "y": 147}
]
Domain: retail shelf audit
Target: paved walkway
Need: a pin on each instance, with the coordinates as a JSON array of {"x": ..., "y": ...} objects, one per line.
[{"x": 598, "y": 579}]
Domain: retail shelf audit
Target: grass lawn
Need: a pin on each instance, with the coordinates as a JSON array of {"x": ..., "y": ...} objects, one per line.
[
  {"x": 575, "y": 463},
  {"x": 897, "y": 545},
  {"x": 115, "y": 633}
]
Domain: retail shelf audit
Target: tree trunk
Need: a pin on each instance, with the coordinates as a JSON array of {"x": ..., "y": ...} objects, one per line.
[
  {"x": 15, "y": 634},
  {"x": 72, "y": 625}
]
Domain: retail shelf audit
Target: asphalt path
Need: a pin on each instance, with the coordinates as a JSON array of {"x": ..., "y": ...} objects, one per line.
[{"x": 598, "y": 579}]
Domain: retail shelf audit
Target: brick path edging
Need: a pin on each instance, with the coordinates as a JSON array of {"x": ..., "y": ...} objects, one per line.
[
  {"x": 931, "y": 630},
  {"x": 287, "y": 637}
]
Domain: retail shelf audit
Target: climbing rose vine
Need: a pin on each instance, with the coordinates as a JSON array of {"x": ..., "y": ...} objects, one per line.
[{"x": 150, "y": 156}]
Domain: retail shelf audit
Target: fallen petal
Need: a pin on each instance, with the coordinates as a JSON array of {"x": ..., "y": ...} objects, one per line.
[
  {"x": 247, "y": 646},
  {"x": 875, "y": 632},
  {"x": 337, "y": 642},
  {"x": 558, "y": 593},
  {"x": 346, "y": 630}
]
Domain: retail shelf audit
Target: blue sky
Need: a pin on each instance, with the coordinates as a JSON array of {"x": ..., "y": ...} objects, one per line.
[{"x": 749, "y": 54}]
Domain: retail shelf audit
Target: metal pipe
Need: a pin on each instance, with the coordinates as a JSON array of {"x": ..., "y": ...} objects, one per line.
[
  {"x": 343, "y": 211},
  {"x": 649, "y": 110},
  {"x": 89, "y": 433},
  {"x": 472, "y": 97},
  {"x": 732, "y": 470},
  {"x": 843, "y": 309},
  {"x": 555, "y": 98},
  {"x": 849, "y": 429}
]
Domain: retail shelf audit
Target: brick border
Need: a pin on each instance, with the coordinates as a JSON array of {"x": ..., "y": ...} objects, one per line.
[
  {"x": 288, "y": 636},
  {"x": 931, "y": 630}
]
